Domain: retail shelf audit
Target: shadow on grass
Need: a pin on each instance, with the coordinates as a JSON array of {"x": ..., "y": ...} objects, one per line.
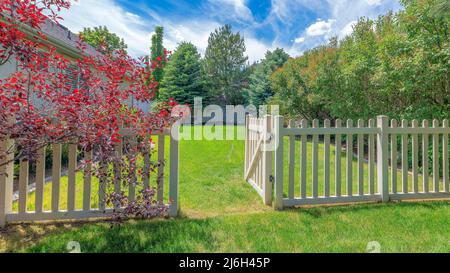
[
  {"x": 185, "y": 235},
  {"x": 158, "y": 235},
  {"x": 321, "y": 211}
]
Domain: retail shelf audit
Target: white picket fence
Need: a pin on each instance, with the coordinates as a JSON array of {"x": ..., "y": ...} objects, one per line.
[
  {"x": 88, "y": 210},
  {"x": 379, "y": 171}
]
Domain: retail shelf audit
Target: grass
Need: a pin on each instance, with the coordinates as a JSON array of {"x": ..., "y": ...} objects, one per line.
[{"x": 222, "y": 213}]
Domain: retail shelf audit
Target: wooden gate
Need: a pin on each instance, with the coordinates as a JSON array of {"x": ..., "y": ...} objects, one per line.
[{"x": 258, "y": 155}]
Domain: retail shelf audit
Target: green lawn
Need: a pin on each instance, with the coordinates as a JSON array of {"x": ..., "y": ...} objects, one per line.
[{"x": 222, "y": 213}]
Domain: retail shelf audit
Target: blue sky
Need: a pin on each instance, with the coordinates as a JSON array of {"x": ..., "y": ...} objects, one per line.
[{"x": 295, "y": 25}]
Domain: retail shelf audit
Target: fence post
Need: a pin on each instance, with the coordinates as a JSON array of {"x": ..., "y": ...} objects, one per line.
[
  {"x": 247, "y": 117},
  {"x": 278, "y": 126},
  {"x": 174, "y": 171},
  {"x": 383, "y": 158},
  {"x": 6, "y": 180},
  {"x": 267, "y": 161}
]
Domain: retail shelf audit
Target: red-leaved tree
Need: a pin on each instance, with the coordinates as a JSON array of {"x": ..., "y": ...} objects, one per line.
[{"x": 39, "y": 105}]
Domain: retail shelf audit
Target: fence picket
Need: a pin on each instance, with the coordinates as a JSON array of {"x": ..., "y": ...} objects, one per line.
[
  {"x": 118, "y": 168},
  {"x": 87, "y": 180},
  {"x": 371, "y": 162},
  {"x": 304, "y": 161},
  {"x": 360, "y": 159},
  {"x": 102, "y": 186},
  {"x": 415, "y": 158},
  {"x": 405, "y": 164},
  {"x": 445, "y": 158},
  {"x": 315, "y": 161},
  {"x": 71, "y": 177},
  {"x": 425, "y": 165},
  {"x": 394, "y": 159},
  {"x": 161, "y": 163},
  {"x": 147, "y": 166},
  {"x": 436, "y": 157},
  {"x": 40, "y": 180},
  {"x": 349, "y": 160},
  {"x": 338, "y": 160},
  {"x": 253, "y": 147},
  {"x": 291, "y": 188},
  {"x": 23, "y": 185},
  {"x": 245, "y": 144},
  {"x": 259, "y": 167},
  {"x": 327, "y": 124},
  {"x": 6, "y": 179},
  {"x": 56, "y": 177},
  {"x": 279, "y": 176},
  {"x": 132, "y": 167}
]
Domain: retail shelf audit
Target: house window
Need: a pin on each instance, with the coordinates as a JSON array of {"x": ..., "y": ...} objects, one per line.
[{"x": 73, "y": 76}]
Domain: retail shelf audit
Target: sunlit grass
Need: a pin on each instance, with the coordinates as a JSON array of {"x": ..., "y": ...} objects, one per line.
[{"x": 220, "y": 212}]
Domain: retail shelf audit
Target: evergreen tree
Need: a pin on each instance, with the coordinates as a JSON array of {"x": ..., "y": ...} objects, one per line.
[
  {"x": 225, "y": 66},
  {"x": 183, "y": 76},
  {"x": 157, "y": 52},
  {"x": 260, "y": 89}
]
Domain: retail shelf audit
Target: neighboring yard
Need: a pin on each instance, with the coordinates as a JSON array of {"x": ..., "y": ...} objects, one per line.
[{"x": 222, "y": 213}]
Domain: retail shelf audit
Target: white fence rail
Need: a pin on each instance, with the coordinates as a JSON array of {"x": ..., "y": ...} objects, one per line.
[
  {"x": 93, "y": 199},
  {"x": 368, "y": 166}
]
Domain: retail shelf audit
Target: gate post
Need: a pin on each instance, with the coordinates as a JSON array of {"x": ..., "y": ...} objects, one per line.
[
  {"x": 174, "y": 171},
  {"x": 247, "y": 119},
  {"x": 278, "y": 126},
  {"x": 267, "y": 160},
  {"x": 383, "y": 158},
  {"x": 6, "y": 180}
]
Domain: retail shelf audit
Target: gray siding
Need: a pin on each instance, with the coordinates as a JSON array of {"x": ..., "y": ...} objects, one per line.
[{"x": 7, "y": 69}]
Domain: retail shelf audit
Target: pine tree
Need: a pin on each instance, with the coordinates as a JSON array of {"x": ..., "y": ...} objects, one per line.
[
  {"x": 183, "y": 79},
  {"x": 259, "y": 89},
  {"x": 157, "y": 51},
  {"x": 225, "y": 66}
]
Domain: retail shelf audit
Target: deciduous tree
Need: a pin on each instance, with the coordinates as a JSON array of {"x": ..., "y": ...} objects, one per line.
[
  {"x": 39, "y": 106},
  {"x": 102, "y": 39}
]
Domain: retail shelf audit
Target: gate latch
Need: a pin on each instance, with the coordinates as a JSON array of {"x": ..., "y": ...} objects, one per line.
[{"x": 272, "y": 179}]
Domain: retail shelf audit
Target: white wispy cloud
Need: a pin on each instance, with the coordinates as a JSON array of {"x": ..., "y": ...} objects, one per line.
[
  {"x": 299, "y": 40},
  {"x": 92, "y": 13},
  {"x": 374, "y": 2},
  {"x": 137, "y": 30},
  {"x": 236, "y": 9},
  {"x": 348, "y": 29},
  {"x": 320, "y": 28},
  {"x": 338, "y": 18}
]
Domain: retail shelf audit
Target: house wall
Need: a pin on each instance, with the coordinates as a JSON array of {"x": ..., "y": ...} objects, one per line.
[{"x": 7, "y": 69}]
